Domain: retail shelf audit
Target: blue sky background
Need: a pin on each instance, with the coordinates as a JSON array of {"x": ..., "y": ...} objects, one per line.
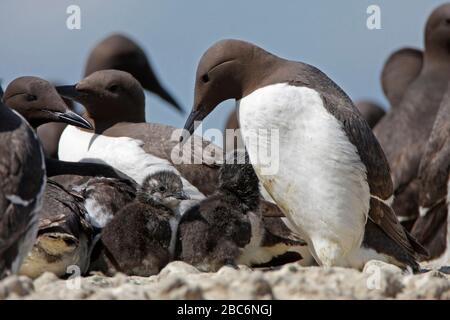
[{"x": 332, "y": 35}]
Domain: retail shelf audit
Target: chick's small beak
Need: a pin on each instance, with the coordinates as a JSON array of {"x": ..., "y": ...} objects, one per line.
[{"x": 181, "y": 195}]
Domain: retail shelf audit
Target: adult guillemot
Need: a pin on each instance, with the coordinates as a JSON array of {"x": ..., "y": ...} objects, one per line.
[
  {"x": 141, "y": 237},
  {"x": 370, "y": 111},
  {"x": 121, "y": 53},
  {"x": 403, "y": 133},
  {"x": 432, "y": 227},
  {"x": 38, "y": 102},
  {"x": 400, "y": 69},
  {"x": 332, "y": 179},
  {"x": 115, "y": 104},
  {"x": 114, "y": 52},
  {"x": 22, "y": 183},
  {"x": 65, "y": 236},
  {"x": 226, "y": 228}
]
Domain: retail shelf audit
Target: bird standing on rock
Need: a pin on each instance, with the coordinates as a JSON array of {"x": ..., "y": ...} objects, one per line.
[
  {"x": 332, "y": 180},
  {"x": 404, "y": 132}
]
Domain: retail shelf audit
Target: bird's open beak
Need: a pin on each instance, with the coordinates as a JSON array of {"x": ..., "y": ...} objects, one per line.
[
  {"x": 189, "y": 126},
  {"x": 73, "y": 119},
  {"x": 70, "y": 92}
]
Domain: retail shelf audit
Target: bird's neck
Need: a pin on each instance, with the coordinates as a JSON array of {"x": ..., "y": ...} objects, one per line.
[{"x": 437, "y": 58}]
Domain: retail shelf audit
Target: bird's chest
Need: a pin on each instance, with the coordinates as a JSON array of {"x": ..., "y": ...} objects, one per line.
[
  {"x": 303, "y": 157},
  {"x": 122, "y": 153}
]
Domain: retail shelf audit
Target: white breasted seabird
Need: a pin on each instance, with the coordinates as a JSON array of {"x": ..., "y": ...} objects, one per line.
[
  {"x": 403, "y": 133},
  {"x": 226, "y": 227},
  {"x": 115, "y": 105},
  {"x": 432, "y": 227},
  {"x": 22, "y": 184},
  {"x": 331, "y": 179},
  {"x": 141, "y": 237},
  {"x": 118, "y": 52},
  {"x": 65, "y": 236}
]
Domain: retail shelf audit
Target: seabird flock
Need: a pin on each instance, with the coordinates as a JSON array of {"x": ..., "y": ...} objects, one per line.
[{"x": 318, "y": 179}]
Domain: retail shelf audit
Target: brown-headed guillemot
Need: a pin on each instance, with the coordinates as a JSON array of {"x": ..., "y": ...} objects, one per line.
[
  {"x": 328, "y": 173},
  {"x": 403, "y": 133}
]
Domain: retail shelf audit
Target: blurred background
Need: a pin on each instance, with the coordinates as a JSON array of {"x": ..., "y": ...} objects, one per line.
[{"x": 331, "y": 35}]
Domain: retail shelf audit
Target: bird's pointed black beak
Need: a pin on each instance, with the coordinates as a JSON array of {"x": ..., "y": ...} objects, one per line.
[
  {"x": 189, "y": 126},
  {"x": 73, "y": 119},
  {"x": 70, "y": 92}
]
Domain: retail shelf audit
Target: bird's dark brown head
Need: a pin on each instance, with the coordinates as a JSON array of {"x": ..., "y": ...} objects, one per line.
[
  {"x": 229, "y": 69},
  {"x": 162, "y": 188},
  {"x": 108, "y": 95},
  {"x": 38, "y": 102},
  {"x": 121, "y": 53},
  {"x": 437, "y": 32}
]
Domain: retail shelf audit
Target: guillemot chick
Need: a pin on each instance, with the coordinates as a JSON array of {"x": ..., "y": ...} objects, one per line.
[
  {"x": 65, "y": 236},
  {"x": 140, "y": 239},
  {"x": 404, "y": 132},
  {"x": 38, "y": 102},
  {"x": 226, "y": 227},
  {"x": 326, "y": 172},
  {"x": 22, "y": 184}
]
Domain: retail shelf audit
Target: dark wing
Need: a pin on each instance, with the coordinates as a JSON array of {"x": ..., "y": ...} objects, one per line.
[
  {"x": 378, "y": 172},
  {"x": 277, "y": 232},
  {"x": 435, "y": 163},
  {"x": 63, "y": 211},
  {"x": 379, "y": 179},
  {"x": 22, "y": 179}
]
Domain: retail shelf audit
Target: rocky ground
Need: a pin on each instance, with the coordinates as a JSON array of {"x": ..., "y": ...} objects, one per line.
[{"x": 182, "y": 281}]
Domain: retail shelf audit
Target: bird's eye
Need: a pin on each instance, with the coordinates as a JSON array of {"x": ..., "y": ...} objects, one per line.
[
  {"x": 205, "y": 78},
  {"x": 162, "y": 189},
  {"x": 113, "y": 88},
  {"x": 31, "y": 97}
]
